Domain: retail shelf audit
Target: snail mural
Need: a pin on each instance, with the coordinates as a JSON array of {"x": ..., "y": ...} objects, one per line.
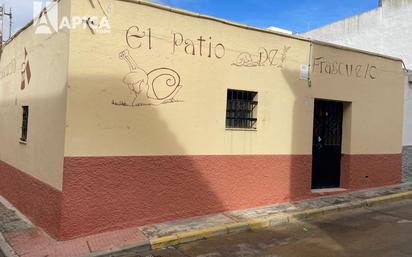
[{"x": 159, "y": 86}]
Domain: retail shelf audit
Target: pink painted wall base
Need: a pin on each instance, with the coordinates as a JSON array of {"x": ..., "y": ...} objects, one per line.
[
  {"x": 107, "y": 193},
  {"x": 35, "y": 199}
]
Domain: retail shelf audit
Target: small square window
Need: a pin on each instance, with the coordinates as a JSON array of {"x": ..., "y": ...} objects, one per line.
[
  {"x": 241, "y": 109},
  {"x": 25, "y": 123}
]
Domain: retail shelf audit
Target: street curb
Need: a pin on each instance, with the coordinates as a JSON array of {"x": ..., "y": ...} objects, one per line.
[
  {"x": 269, "y": 221},
  {"x": 5, "y": 248},
  {"x": 388, "y": 198},
  {"x": 230, "y": 228}
]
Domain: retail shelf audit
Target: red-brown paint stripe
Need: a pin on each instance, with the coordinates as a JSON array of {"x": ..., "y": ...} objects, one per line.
[
  {"x": 106, "y": 193},
  {"x": 37, "y": 200},
  {"x": 366, "y": 171}
]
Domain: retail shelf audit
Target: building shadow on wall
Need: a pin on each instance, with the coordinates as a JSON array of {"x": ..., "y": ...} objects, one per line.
[
  {"x": 113, "y": 191},
  {"x": 300, "y": 180},
  {"x": 300, "y": 187}
]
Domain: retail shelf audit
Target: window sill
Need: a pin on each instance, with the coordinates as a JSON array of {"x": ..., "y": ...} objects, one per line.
[
  {"x": 240, "y": 129},
  {"x": 23, "y": 142}
]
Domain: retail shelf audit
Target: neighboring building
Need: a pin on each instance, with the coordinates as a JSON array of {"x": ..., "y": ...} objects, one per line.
[
  {"x": 386, "y": 30},
  {"x": 174, "y": 114}
]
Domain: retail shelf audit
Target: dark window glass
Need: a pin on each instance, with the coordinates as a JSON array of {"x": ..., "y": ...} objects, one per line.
[
  {"x": 25, "y": 123},
  {"x": 241, "y": 109}
]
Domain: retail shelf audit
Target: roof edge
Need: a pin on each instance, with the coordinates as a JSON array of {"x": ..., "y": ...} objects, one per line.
[
  {"x": 223, "y": 21},
  {"x": 207, "y": 17},
  {"x": 244, "y": 26}
]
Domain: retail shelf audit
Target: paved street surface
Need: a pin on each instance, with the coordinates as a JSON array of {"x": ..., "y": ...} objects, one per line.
[{"x": 384, "y": 231}]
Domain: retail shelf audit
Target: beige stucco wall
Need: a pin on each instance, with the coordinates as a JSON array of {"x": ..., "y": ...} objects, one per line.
[
  {"x": 375, "y": 93},
  {"x": 195, "y": 124},
  {"x": 42, "y": 156}
]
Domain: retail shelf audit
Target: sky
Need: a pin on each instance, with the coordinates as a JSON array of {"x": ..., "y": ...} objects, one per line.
[{"x": 294, "y": 15}]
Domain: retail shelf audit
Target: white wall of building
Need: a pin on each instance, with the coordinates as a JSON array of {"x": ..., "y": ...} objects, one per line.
[{"x": 386, "y": 30}]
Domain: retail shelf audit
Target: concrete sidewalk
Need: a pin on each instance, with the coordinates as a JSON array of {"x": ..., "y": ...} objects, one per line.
[{"x": 21, "y": 238}]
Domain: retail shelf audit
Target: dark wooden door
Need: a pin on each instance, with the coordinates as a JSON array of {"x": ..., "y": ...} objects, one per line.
[{"x": 327, "y": 144}]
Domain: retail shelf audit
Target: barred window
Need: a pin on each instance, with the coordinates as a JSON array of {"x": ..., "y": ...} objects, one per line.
[
  {"x": 241, "y": 109},
  {"x": 25, "y": 123}
]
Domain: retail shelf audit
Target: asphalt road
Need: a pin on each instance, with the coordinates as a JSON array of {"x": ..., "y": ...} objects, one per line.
[{"x": 382, "y": 231}]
